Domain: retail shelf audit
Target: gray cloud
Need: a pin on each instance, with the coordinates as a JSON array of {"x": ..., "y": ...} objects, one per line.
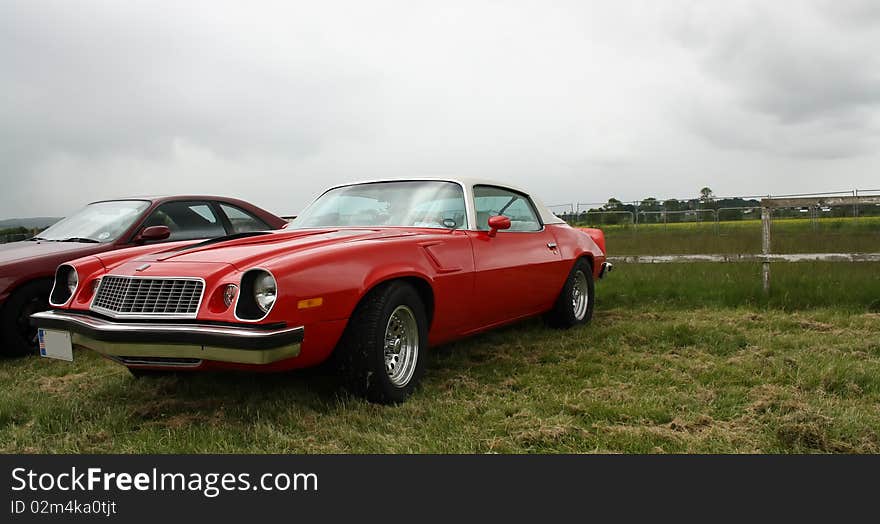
[
  {"x": 95, "y": 81},
  {"x": 790, "y": 79},
  {"x": 849, "y": 13},
  {"x": 579, "y": 100}
]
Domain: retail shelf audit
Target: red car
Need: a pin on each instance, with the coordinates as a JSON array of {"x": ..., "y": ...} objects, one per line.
[
  {"x": 27, "y": 268},
  {"x": 370, "y": 273}
]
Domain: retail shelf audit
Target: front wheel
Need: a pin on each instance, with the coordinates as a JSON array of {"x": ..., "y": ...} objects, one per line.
[
  {"x": 575, "y": 303},
  {"x": 382, "y": 351}
]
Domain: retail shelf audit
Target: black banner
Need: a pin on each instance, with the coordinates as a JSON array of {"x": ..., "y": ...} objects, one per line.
[{"x": 235, "y": 488}]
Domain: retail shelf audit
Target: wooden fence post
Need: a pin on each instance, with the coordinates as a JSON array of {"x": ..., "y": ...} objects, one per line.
[{"x": 765, "y": 247}]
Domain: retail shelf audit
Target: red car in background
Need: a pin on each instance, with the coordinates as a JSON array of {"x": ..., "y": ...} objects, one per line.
[
  {"x": 27, "y": 267},
  {"x": 370, "y": 273}
]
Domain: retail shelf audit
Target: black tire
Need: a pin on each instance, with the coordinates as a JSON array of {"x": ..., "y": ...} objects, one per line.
[
  {"x": 360, "y": 354},
  {"x": 567, "y": 312},
  {"x": 17, "y": 337}
]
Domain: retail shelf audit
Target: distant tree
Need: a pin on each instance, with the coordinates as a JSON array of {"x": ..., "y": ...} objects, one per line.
[
  {"x": 737, "y": 202},
  {"x": 15, "y": 231},
  {"x": 694, "y": 203},
  {"x": 613, "y": 204},
  {"x": 727, "y": 208},
  {"x": 13, "y": 234},
  {"x": 671, "y": 205},
  {"x": 649, "y": 204},
  {"x": 648, "y": 209},
  {"x": 706, "y": 195}
]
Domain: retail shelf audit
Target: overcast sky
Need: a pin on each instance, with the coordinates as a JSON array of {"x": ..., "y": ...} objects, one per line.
[{"x": 577, "y": 101}]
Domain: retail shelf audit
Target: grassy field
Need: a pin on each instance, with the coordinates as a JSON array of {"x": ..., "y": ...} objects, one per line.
[
  {"x": 787, "y": 236},
  {"x": 679, "y": 358},
  {"x": 688, "y": 361},
  {"x": 794, "y": 286}
]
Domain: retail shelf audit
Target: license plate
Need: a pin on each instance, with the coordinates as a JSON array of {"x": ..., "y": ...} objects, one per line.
[{"x": 55, "y": 344}]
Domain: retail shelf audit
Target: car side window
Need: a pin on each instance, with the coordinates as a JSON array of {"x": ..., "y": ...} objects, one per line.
[
  {"x": 492, "y": 201},
  {"x": 241, "y": 220},
  {"x": 187, "y": 220}
]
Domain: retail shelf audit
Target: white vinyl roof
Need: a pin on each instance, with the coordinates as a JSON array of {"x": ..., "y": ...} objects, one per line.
[
  {"x": 547, "y": 216},
  {"x": 468, "y": 183}
]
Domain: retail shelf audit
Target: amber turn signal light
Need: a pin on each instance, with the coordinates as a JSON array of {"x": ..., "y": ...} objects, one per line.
[{"x": 310, "y": 302}]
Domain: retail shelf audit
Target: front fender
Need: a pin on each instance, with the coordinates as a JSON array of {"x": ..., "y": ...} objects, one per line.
[
  {"x": 338, "y": 277},
  {"x": 384, "y": 274}
]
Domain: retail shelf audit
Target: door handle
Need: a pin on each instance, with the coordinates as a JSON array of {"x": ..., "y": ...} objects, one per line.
[{"x": 551, "y": 245}]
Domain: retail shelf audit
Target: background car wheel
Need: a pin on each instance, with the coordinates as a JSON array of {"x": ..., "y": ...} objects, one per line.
[
  {"x": 575, "y": 303},
  {"x": 17, "y": 337},
  {"x": 381, "y": 354}
]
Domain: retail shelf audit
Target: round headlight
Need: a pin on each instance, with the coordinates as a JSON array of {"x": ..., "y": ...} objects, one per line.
[
  {"x": 72, "y": 281},
  {"x": 264, "y": 291}
]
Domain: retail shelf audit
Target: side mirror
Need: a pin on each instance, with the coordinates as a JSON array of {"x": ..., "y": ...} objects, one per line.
[
  {"x": 498, "y": 222},
  {"x": 153, "y": 234}
]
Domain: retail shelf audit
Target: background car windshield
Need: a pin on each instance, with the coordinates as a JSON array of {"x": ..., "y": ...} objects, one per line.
[
  {"x": 101, "y": 221},
  {"x": 407, "y": 204}
]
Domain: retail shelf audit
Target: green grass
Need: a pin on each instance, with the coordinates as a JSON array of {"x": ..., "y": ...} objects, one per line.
[
  {"x": 837, "y": 235},
  {"x": 800, "y": 285},
  {"x": 664, "y": 367},
  {"x": 679, "y": 358}
]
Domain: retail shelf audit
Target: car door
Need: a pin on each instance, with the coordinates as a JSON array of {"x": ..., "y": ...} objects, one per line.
[{"x": 516, "y": 270}]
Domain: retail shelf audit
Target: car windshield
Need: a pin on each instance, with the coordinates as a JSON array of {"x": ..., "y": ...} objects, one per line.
[
  {"x": 99, "y": 222},
  {"x": 431, "y": 204}
]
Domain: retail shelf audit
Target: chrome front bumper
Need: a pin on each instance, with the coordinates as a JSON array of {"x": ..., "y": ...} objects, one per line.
[{"x": 151, "y": 342}]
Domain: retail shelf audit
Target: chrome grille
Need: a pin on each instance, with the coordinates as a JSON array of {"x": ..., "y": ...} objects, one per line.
[{"x": 147, "y": 297}]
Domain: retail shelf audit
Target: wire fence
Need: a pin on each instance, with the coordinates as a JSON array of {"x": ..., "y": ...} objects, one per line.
[
  {"x": 835, "y": 228},
  {"x": 714, "y": 211}
]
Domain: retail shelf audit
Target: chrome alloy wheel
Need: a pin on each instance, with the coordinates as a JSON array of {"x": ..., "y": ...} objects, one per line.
[
  {"x": 402, "y": 346},
  {"x": 579, "y": 295}
]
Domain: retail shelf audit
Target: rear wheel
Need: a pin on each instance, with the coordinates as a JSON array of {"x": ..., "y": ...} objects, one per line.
[
  {"x": 575, "y": 303},
  {"x": 17, "y": 336},
  {"x": 382, "y": 352}
]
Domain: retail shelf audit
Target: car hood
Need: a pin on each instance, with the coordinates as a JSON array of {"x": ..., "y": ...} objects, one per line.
[
  {"x": 32, "y": 250},
  {"x": 245, "y": 252}
]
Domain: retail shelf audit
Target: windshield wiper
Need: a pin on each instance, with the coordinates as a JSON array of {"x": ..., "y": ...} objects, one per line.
[
  {"x": 217, "y": 240},
  {"x": 81, "y": 239},
  {"x": 37, "y": 238}
]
